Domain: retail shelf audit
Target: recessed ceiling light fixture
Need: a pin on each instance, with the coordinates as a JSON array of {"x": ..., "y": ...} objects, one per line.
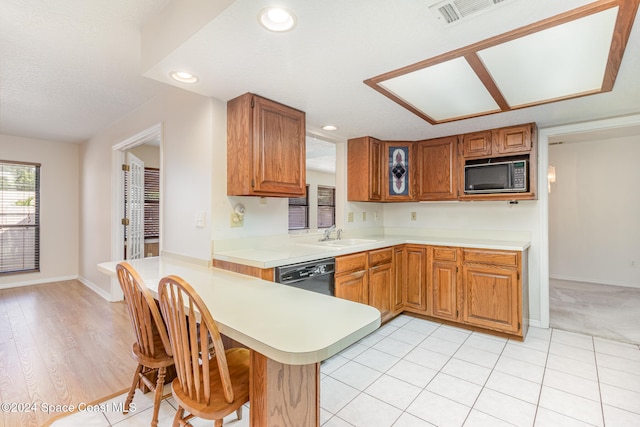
[
  {"x": 330, "y": 127},
  {"x": 277, "y": 19},
  {"x": 183, "y": 77}
]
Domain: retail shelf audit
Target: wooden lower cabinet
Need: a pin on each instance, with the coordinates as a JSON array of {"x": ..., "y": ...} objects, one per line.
[
  {"x": 399, "y": 273},
  {"x": 443, "y": 282},
  {"x": 381, "y": 280},
  {"x": 367, "y": 278},
  {"x": 492, "y": 292},
  {"x": 415, "y": 279},
  {"x": 351, "y": 279}
]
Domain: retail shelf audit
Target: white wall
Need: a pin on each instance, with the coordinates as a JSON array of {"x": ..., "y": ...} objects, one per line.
[
  {"x": 594, "y": 212},
  {"x": 187, "y": 157},
  {"x": 59, "y": 206}
]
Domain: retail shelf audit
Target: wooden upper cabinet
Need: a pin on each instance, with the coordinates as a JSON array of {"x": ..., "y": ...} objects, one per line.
[
  {"x": 364, "y": 169},
  {"x": 437, "y": 168},
  {"x": 477, "y": 144},
  {"x": 265, "y": 148},
  {"x": 398, "y": 176},
  {"x": 514, "y": 139}
]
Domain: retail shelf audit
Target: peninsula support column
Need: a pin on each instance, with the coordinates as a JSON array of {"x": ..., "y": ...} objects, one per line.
[{"x": 284, "y": 395}]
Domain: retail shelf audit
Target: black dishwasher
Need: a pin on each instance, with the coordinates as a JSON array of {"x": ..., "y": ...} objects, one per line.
[{"x": 316, "y": 276}]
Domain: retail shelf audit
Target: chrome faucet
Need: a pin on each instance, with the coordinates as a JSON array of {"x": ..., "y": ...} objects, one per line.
[
  {"x": 327, "y": 233},
  {"x": 339, "y": 234}
]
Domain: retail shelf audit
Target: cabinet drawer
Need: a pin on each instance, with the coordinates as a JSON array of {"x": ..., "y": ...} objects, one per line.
[
  {"x": 508, "y": 258},
  {"x": 444, "y": 254},
  {"x": 353, "y": 262},
  {"x": 380, "y": 256}
]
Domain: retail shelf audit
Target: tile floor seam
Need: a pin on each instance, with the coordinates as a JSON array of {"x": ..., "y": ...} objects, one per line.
[{"x": 544, "y": 372}]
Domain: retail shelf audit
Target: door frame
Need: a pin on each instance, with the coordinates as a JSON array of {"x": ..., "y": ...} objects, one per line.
[
  {"x": 153, "y": 133},
  {"x": 543, "y": 196}
]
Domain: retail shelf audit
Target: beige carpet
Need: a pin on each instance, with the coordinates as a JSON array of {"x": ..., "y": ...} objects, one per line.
[{"x": 605, "y": 311}]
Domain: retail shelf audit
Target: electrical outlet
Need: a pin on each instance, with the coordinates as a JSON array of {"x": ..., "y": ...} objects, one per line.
[
  {"x": 364, "y": 216},
  {"x": 413, "y": 216},
  {"x": 375, "y": 215},
  {"x": 236, "y": 220},
  {"x": 350, "y": 217}
]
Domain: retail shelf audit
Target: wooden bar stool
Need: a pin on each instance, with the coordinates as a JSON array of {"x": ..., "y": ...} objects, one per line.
[
  {"x": 152, "y": 349},
  {"x": 209, "y": 384}
]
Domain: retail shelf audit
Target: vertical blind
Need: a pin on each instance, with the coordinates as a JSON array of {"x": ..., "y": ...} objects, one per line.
[{"x": 19, "y": 217}]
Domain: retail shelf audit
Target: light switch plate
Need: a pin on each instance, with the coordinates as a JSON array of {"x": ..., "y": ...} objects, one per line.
[
  {"x": 350, "y": 217},
  {"x": 236, "y": 220}
]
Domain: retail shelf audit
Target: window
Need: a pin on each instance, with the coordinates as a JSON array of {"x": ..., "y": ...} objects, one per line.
[
  {"x": 326, "y": 206},
  {"x": 19, "y": 217},
  {"x": 299, "y": 212}
]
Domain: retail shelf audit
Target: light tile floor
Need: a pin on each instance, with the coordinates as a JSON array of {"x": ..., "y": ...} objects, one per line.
[{"x": 414, "y": 373}]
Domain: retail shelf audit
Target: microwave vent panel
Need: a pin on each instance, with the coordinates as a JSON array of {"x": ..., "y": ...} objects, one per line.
[{"x": 451, "y": 11}]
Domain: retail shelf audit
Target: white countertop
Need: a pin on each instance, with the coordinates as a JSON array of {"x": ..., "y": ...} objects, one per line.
[
  {"x": 286, "y": 324},
  {"x": 293, "y": 253}
]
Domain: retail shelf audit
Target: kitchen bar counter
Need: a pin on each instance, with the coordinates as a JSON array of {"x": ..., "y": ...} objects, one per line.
[
  {"x": 289, "y": 332},
  {"x": 293, "y": 253}
]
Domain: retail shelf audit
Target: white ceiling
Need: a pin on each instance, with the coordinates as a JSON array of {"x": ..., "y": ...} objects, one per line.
[{"x": 69, "y": 68}]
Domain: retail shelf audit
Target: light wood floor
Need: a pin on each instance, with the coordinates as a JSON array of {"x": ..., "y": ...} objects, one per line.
[{"x": 60, "y": 344}]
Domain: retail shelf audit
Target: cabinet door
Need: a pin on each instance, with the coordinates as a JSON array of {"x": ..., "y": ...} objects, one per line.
[
  {"x": 514, "y": 139},
  {"x": 380, "y": 285},
  {"x": 477, "y": 144},
  {"x": 352, "y": 287},
  {"x": 415, "y": 291},
  {"x": 364, "y": 169},
  {"x": 278, "y": 148},
  {"x": 397, "y": 300},
  {"x": 437, "y": 169},
  {"x": 491, "y": 298},
  {"x": 444, "y": 285},
  {"x": 398, "y": 171}
]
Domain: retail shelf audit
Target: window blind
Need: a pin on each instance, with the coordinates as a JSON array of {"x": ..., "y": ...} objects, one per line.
[
  {"x": 326, "y": 206},
  {"x": 299, "y": 211},
  {"x": 19, "y": 217}
]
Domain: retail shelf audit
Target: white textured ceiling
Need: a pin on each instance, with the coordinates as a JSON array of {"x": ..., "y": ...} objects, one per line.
[{"x": 70, "y": 67}]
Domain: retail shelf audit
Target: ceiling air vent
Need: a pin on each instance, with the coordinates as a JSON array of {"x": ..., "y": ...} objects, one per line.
[{"x": 450, "y": 11}]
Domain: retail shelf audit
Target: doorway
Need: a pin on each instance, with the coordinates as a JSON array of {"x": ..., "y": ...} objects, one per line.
[
  {"x": 593, "y": 281},
  {"x": 147, "y": 146}
]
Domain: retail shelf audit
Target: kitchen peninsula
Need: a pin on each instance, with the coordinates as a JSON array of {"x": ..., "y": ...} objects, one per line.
[{"x": 289, "y": 332}]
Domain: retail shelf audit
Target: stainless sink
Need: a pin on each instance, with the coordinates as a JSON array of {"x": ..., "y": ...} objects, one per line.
[{"x": 342, "y": 243}]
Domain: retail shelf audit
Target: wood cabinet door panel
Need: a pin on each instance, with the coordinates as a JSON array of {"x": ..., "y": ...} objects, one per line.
[
  {"x": 278, "y": 148},
  {"x": 444, "y": 302},
  {"x": 380, "y": 256},
  {"x": 415, "y": 291},
  {"x": 491, "y": 298},
  {"x": 364, "y": 169},
  {"x": 399, "y": 275},
  {"x": 380, "y": 285},
  {"x": 353, "y": 262},
  {"x": 352, "y": 287},
  {"x": 437, "y": 169},
  {"x": 477, "y": 144},
  {"x": 514, "y": 139}
]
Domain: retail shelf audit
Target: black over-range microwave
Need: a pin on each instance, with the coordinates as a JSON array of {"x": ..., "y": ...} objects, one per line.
[{"x": 500, "y": 177}]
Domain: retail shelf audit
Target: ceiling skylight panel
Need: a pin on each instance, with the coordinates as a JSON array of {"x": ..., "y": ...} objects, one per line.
[
  {"x": 443, "y": 91},
  {"x": 555, "y": 63}
]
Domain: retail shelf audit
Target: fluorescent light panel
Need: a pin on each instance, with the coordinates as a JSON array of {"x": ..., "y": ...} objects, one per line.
[
  {"x": 556, "y": 63},
  {"x": 560, "y": 58},
  {"x": 445, "y": 90}
]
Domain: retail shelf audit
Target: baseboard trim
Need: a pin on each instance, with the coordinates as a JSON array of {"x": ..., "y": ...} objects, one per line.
[
  {"x": 37, "y": 282},
  {"x": 597, "y": 282},
  {"x": 535, "y": 324},
  {"x": 95, "y": 288}
]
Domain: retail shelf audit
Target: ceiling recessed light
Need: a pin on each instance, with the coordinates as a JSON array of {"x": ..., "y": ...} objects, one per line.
[
  {"x": 330, "y": 127},
  {"x": 277, "y": 19},
  {"x": 183, "y": 77}
]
